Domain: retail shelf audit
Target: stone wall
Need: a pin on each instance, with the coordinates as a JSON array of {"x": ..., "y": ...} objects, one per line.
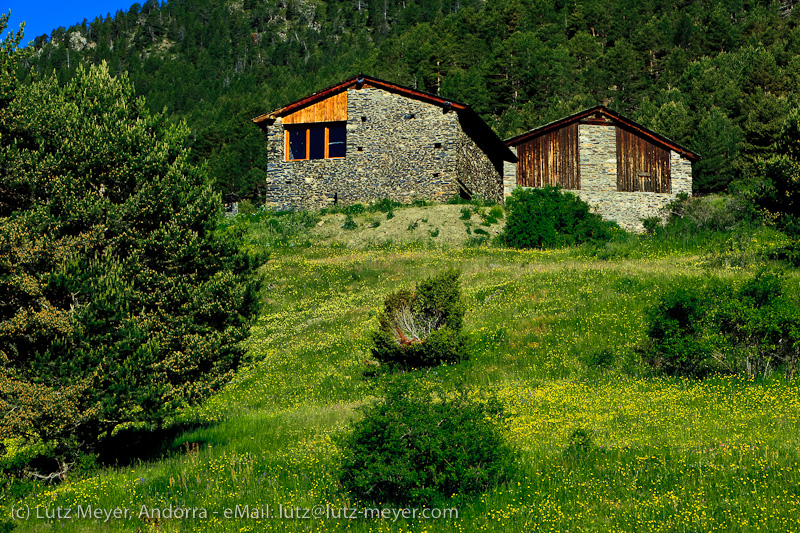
[
  {"x": 480, "y": 173},
  {"x": 597, "y": 154},
  {"x": 509, "y": 175},
  {"x": 397, "y": 147}
]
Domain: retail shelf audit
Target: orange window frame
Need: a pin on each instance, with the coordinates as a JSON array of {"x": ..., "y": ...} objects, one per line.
[{"x": 287, "y": 152}]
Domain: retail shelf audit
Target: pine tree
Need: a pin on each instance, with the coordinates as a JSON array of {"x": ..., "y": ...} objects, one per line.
[{"x": 120, "y": 299}]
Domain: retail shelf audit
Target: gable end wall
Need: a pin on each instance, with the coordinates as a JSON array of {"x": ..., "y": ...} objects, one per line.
[
  {"x": 598, "y": 167},
  {"x": 397, "y": 157}
]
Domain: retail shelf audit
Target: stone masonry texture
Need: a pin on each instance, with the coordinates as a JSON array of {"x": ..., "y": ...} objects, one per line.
[{"x": 397, "y": 147}]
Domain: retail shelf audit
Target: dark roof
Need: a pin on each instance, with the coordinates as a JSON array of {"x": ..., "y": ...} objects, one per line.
[
  {"x": 464, "y": 111},
  {"x": 615, "y": 118}
]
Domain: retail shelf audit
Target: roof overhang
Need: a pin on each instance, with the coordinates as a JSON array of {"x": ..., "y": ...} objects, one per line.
[
  {"x": 613, "y": 117},
  {"x": 361, "y": 80}
]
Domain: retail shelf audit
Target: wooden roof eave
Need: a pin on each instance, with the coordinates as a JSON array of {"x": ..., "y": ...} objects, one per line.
[
  {"x": 447, "y": 105},
  {"x": 616, "y": 118},
  {"x": 355, "y": 81}
]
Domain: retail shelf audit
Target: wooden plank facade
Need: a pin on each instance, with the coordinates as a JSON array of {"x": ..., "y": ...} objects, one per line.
[
  {"x": 331, "y": 109},
  {"x": 641, "y": 165},
  {"x": 550, "y": 159},
  {"x": 577, "y": 153}
]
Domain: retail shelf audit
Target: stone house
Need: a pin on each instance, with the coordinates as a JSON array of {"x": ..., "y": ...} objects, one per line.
[
  {"x": 365, "y": 139},
  {"x": 624, "y": 170}
]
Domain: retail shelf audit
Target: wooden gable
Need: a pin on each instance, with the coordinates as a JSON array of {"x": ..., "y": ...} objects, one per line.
[{"x": 331, "y": 109}]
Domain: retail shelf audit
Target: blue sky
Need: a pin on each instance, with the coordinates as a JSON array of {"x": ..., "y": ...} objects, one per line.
[{"x": 43, "y": 16}]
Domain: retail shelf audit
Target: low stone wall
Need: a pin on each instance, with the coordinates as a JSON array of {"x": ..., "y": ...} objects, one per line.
[{"x": 627, "y": 209}]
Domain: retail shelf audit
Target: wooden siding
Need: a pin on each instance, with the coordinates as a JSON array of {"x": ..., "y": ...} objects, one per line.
[
  {"x": 550, "y": 159},
  {"x": 641, "y": 165},
  {"x": 332, "y": 109}
]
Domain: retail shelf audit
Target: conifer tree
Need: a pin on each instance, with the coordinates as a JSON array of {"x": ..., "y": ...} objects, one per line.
[{"x": 121, "y": 300}]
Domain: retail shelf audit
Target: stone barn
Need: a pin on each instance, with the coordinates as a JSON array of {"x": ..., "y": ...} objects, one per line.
[
  {"x": 624, "y": 170},
  {"x": 365, "y": 139}
]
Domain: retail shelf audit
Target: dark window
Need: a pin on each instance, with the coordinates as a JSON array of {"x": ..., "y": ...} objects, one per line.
[
  {"x": 316, "y": 141},
  {"x": 337, "y": 141},
  {"x": 297, "y": 144}
]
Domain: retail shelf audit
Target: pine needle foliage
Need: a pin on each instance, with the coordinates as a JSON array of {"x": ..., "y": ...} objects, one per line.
[
  {"x": 120, "y": 299},
  {"x": 422, "y": 447}
]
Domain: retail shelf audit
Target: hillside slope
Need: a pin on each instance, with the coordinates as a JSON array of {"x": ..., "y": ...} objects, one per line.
[{"x": 552, "y": 335}]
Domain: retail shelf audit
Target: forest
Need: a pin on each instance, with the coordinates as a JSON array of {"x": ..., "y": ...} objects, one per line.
[{"x": 717, "y": 76}]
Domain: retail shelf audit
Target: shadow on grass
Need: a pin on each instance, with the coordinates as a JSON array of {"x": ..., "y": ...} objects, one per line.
[{"x": 133, "y": 445}]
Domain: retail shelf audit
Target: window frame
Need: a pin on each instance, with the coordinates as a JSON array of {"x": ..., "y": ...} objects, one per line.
[{"x": 308, "y": 127}]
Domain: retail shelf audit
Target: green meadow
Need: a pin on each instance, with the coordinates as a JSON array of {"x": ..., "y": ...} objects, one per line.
[{"x": 553, "y": 336}]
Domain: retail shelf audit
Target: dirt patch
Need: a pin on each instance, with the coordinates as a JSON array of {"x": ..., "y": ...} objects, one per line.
[{"x": 438, "y": 224}]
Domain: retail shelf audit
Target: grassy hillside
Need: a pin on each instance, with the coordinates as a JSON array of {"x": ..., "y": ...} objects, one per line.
[{"x": 552, "y": 333}]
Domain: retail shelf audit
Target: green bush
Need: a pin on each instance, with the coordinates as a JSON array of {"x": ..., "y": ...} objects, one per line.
[
  {"x": 677, "y": 344},
  {"x": 384, "y": 205},
  {"x": 548, "y": 218},
  {"x": 651, "y": 224},
  {"x": 789, "y": 253},
  {"x": 580, "y": 445},
  {"x": 422, "y": 447},
  {"x": 349, "y": 223},
  {"x": 422, "y": 328},
  {"x": 752, "y": 328},
  {"x": 695, "y": 215}
]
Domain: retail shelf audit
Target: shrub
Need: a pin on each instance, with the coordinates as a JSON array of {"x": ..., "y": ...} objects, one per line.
[
  {"x": 581, "y": 444},
  {"x": 651, "y": 224},
  {"x": 422, "y": 328},
  {"x": 422, "y": 447},
  {"x": 384, "y": 205},
  {"x": 677, "y": 344},
  {"x": 789, "y": 253},
  {"x": 548, "y": 217},
  {"x": 753, "y": 328},
  {"x": 602, "y": 359},
  {"x": 349, "y": 223},
  {"x": 687, "y": 215}
]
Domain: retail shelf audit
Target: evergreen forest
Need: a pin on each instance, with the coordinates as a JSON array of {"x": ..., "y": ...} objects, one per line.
[{"x": 717, "y": 76}]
